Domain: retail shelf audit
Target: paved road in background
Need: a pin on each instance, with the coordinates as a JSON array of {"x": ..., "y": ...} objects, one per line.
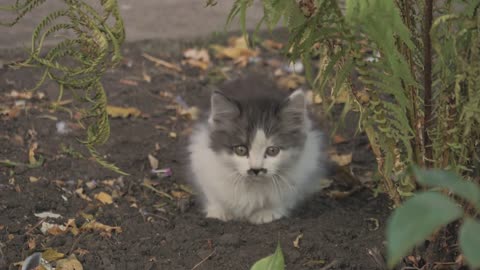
[{"x": 144, "y": 19}]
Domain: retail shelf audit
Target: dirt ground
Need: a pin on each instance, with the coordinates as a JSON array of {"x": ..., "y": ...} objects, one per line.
[{"x": 158, "y": 231}]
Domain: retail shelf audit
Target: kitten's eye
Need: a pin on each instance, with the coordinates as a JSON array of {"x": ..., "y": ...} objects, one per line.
[
  {"x": 272, "y": 151},
  {"x": 240, "y": 150}
]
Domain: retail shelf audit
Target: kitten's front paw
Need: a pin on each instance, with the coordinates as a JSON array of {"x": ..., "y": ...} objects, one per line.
[
  {"x": 265, "y": 216},
  {"x": 217, "y": 213}
]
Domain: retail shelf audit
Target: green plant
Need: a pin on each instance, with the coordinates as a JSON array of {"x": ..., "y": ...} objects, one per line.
[
  {"x": 416, "y": 86},
  {"x": 78, "y": 63},
  {"x": 272, "y": 262},
  {"x": 428, "y": 211}
]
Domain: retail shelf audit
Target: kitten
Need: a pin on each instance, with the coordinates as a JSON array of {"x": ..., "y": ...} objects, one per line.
[{"x": 257, "y": 155}]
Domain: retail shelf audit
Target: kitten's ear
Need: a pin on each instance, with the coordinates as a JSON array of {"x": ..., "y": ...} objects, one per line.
[
  {"x": 294, "y": 110},
  {"x": 222, "y": 107},
  {"x": 295, "y": 103}
]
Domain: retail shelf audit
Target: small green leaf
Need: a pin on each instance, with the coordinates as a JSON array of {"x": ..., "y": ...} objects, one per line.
[
  {"x": 470, "y": 242},
  {"x": 416, "y": 219},
  {"x": 272, "y": 262},
  {"x": 451, "y": 181}
]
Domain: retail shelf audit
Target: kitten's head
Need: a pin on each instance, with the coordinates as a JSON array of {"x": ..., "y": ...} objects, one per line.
[{"x": 258, "y": 137}]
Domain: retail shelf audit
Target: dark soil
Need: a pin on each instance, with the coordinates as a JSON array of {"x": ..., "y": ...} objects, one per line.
[{"x": 339, "y": 232}]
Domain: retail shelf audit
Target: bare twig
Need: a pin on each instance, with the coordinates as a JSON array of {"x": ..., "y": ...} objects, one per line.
[
  {"x": 204, "y": 259},
  {"x": 330, "y": 265}
]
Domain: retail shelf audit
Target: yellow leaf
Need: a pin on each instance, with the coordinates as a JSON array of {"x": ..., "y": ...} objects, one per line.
[
  {"x": 153, "y": 162},
  {"x": 122, "y": 112},
  {"x": 238, "y": 42},
  {"x": 292, "y": 81},
  {"x": 296, "y": 242},
  {"x": 196, "y": 63},
  {"x": 197, "y": 58},
  {"x": 31, "y": 153},
  {"x": 191, "y": 112},
  {"x": 180, "y": 194},
  {"x": 97, "y": 226},
  {"x": 103, "y": 197},
  {"x": 233, "y": 52},
  {"x": 52, "y": 255},
  {"x": 272, "y": 45},
  {"x": 341, "y": 159},
  {"x": 81, "y": 193},
  {"x": 70, "y": 263}
]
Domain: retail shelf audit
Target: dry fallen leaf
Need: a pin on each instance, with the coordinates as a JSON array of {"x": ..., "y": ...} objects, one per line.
[
  {"x": 272, "y": 45},
  {"x": 172, "y": 135},
  {"x": 97, "y": 226},
  {"x": 341, "y": 159},
  {"x": 339, "y": 139},
  {"x": 180, "y": 194},
  {"x": 33, "y": 179},
  {"x": 31, "y": 243},
  {"x": 296, "y": 242},
  {"x": 122, "y": 112},
  {"x": 160, "y": 62},
  {"x": 31, "y": 153},
  {"x": 47, "y": 214},
  {"x": 70, "y": 263},
  {"x": 72, "y": 226},
  {"x": 146, "y": 77},
  {"x": 191, "y": 112},
  {"x": 313, "y": 98},
  {"x": 197, "y": 58},
  {"x": 153, "y": 162},
  {"x": 52, "y": 255},
  {"x": 240, "y": 54},
  {"x": 291, "y": 81},
  {"x": 53, "y": 229},
  {"x": 81, "y": 193},
  {"x": 104, "y": 197}
]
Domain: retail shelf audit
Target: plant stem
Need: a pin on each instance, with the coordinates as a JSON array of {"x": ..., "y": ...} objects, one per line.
[{"x": 427, "y": 80}]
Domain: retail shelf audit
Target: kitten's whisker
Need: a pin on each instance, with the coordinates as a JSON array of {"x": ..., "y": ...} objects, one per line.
[{"x": 285, "y": 181}]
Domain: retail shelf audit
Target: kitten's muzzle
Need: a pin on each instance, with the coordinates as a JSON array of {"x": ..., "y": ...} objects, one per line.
[{"x": 256, "y": 171}]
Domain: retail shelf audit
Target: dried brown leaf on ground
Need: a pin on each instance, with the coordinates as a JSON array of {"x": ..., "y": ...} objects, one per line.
[
  {"x": 31, "y": 153},
  {"x": 272, "y": 45},
  {"x": 104, "y": 198},
  {"x": 337, "y": 139},
  {"x": 122, "y": 112},
  {"x": 237, "y": 51},
  {"x": 180, "y": 194},
  {"x": 341, "y": 159},
  {"x": 70, "y": 263},
  {"x": 81, "y": 193},
  {"x": 99, "y": 227},
  {"x": 313, "y": 98},
  {"x": 291, "y": 81},
  {"x": 153, "y": 162},
  {"x": 198, "y": 58},
  {"x": 53, "y": 229},
  {"x": 146, "y": 77},
  {"x": 296, "y": 242},
  {"x": 162, "y": 63},
  {"x": 51, "y": 254}
]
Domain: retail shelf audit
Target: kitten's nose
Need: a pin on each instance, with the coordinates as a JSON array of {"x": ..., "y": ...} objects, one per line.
[{"x": 256, "y": 171}]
